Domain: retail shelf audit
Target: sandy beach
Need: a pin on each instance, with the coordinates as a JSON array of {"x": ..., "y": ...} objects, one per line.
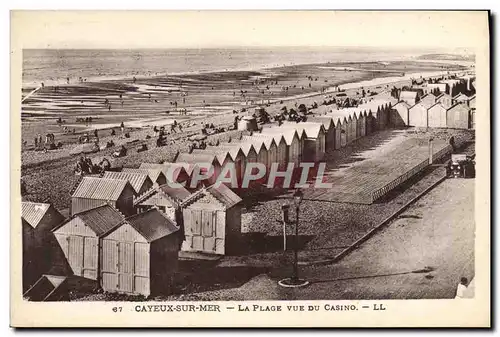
[{"x": 190, "y": 99}]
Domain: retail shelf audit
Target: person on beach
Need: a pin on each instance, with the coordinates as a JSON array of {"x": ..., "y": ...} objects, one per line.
[
  {"x": 36, "y": 141},
  {"x": 122, "y": 127},
  {"x": 109, "y": 107},
  {"x": 96, "y": 133},
  {"x": 39, "y": 139},
  {"x": 113, "y": 132},
  {"x": 461, "y": 288}
]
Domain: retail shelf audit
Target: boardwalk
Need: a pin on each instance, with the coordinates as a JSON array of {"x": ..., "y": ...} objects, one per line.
[{"x": 376, "y": 171}]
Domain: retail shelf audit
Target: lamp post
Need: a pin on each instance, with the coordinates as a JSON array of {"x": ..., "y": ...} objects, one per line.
[{"x": 294, "y": 281}]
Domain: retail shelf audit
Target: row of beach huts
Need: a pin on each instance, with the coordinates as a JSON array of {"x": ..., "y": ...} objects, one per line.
[{"x": 126, "y": 228}]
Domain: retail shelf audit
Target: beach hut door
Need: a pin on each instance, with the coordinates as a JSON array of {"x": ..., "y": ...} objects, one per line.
[
  {"x": 125, "y": 266},
  {"x": 75, "y": 253}
]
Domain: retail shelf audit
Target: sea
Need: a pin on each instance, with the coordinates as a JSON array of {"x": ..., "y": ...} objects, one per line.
[{"x": 55, "y": 66}]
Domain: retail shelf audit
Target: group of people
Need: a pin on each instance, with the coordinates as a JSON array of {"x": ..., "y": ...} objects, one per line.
[
  {"x": 49, "y": 139},
  {"x": 85, "y": 166}
]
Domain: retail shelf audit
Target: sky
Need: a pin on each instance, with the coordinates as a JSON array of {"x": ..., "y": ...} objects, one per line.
[{"x": 191, "y": 29}]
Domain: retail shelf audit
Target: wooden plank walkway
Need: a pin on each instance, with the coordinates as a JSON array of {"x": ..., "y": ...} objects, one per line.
[{"x": 370, "y": 179}]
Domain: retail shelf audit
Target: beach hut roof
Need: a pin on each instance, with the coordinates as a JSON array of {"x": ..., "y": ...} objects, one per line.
[
  {"x": 165, "y": 168},
  {"x": 135, "y": 179},
  {"x": 151, "y": 172},
  {"x": 100, "y": 188},
  {"x": 443, "y": 95},
  {"x": 327, "y": 121},
  {"x": 430, "y": 94},
  {"x": 152, "y": 224},
  {"x": 402, "y": 103},
  {"x": 101, "y": 220},
  {"x": 33, "y": 212},
  {"x": 267, "y": 139},
  {"x": 222, "y": 193},
  {"x": 311, "y": 129},
  {"x": 200, "y": 157},
  {"x": 175, "y": 194},
  {"x": 461, "y": 95},
  {"x": 436, "y": 104},
  {"x": 408, "y": 95},
  {"x": 287, "y": 133}
]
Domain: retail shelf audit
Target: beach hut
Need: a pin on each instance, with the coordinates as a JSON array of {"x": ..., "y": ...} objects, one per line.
[
  {"x": 399, "y": 114},
  {"x": 276, "y": 148},
  {"x": 165, "y": 198},
  {"x": 212, "y": 221},
  {"x": 428, "y": 100},
  {"x": 369, "y": 123},
  {"x": 172, "y": 171},
  {"x": 343, "y": 132},
  {"x": 38, "y": 220},
  {"x": 314, "y": 144},
  {"x": 460, "y": 98},
  {"x": 156, "y": 175},
  {"x": 294, "y": 142},
  {"x": 140, "y": 256},
  {"x": 445, "y": 100},
  {"x": 417, "y": 115},
  {"x": 329, "y": 125},
  {"x": 410, "y": 97},
  {"x": 92, "y": 192},
  {"x": 338, "y": 130},
  {"x": 436, "y": 116},
  {"x": 199, "y": 162},
  {"x": 362, "y": 123},
  {"x": 458, "y": 117},
  {"x": 472, "y": 102},
  {"x": 139, "y": 181},
  {"x": 228, "y": 153},
  {"x": 80, "y": 238},
  {"x": 258, "y": 148}
]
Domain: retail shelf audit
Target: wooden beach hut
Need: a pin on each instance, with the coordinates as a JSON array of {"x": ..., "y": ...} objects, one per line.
[
  {"x": 369, "y": 123},
  {"x": 294, "y": 142},
  {"x": 472, "y": 102},
  {"x": 437, "y": 116},
  {"x": 417, "y": 115},
  {"x": 410, "y": 97},
  {"x": 361, "y": 124},
  {"x": 258, "y": 147},
  {"x": 165, "y": 198},
  {"x": 428, "y": 100},
  {"x": 445, "y": 100},
  {"x": 38, "y": 220},
  {"x": 276, "y": 148},
  {"x": 92, "y": 192},
  {"x": 338, "y": 132},
  {"x": 460, "y": 98},
  {"x": 199, "y": 162},
  {"x": 228, "y": 153},
  {"x": 314, "y": 144},
  {"x": 399, "y": 114},
  {"x": 212, "y": 221},
  {"x": 329, "y": 125},
  {"x": 458, "y": 117},
  {"x": 140, "y": 256},
  {"x": 80, "y": 238},
  {"x": 139, "y": 181}
]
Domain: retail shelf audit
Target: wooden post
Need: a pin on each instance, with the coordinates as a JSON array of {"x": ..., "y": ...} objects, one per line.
[
  {"x": 284, "y": 213},
  {"x": 431, "y": 150}
]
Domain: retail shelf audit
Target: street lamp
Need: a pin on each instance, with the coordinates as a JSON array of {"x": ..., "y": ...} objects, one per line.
[{"x": 294, "y": 281}]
